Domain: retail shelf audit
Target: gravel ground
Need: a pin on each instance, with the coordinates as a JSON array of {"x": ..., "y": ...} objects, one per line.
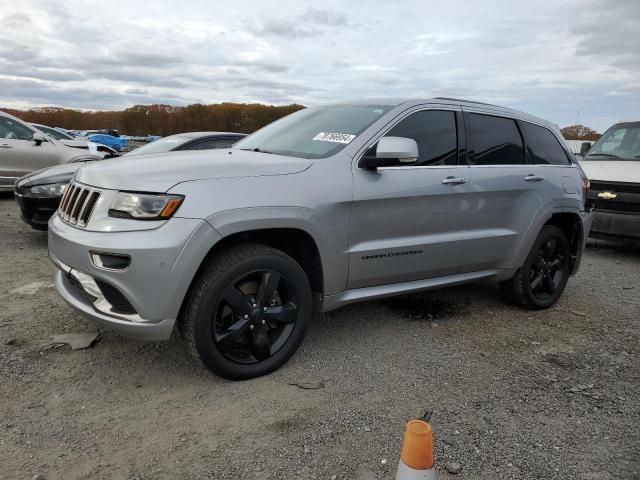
[{"x": 516, "y": 394}]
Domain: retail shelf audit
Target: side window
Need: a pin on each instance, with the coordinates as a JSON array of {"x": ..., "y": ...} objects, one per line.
[
  {"x": 435, "y": 133},
  {"x": 543, "y": 145},
  {"x": 494, "y": 140},
  {"x": 13, "y": 130},
  {"x": 212, "y": 144}
]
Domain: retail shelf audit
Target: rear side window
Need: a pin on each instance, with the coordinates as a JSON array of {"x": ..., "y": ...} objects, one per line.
[
  {"x": 435, "y": 133},
  {"x": 494, "y": 140},
  {"x": 543, "y": 145}
]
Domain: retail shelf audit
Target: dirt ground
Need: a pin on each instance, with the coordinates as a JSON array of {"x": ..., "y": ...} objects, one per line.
[{"x": 516, "y": 394}]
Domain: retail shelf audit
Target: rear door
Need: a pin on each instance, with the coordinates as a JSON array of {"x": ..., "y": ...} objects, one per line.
[
  {"x": 19, "y": 154},
  {"x": 558, "y": 180},
  {"x": 408, "y": 222},
  {"x": 506, "y": 194}
]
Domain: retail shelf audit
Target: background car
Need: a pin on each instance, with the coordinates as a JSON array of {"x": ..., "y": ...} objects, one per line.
[
  {"x": 38, "y": 194},
  {"x": 189, "y": 141},
  {"x": 613, "y": 167},
  {"x": 117, "y": 143},
  {"x": 71, "y": 141},
  {"x": 24, "y": 149}
]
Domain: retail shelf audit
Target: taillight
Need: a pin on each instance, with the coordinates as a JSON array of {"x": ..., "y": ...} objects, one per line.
[{"x": 586, "y": 186}]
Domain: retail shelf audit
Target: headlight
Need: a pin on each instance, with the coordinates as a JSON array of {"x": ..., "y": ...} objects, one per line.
[
  {"x": 48, "y": 190},
  {"x": 145, "y": 206}
]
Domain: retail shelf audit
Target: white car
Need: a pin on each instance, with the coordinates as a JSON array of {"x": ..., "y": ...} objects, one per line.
[{"x": 613, "y": 167}]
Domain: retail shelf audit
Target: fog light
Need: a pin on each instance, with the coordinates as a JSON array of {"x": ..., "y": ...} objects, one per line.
[{"x": 110, "y": 261}]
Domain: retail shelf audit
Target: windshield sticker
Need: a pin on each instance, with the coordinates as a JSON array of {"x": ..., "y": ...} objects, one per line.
[{"x": 334, "y": 137}]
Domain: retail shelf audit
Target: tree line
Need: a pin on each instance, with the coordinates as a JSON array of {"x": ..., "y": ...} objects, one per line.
[
  {"x": 162, "y": 120},
  {"x": 166, "y": 120},
  {"x": 579, "y": 132}
]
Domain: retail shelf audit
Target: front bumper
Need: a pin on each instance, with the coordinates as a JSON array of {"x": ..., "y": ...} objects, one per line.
[
  {"x": 608, "y": 225},
  {"x": 36, "y": 211},
  {"x": 152, "y": 286}
]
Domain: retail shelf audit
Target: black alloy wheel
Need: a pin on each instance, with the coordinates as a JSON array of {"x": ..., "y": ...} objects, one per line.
[
  {"x": 546, "y": 272},
  {"x": 255, "y": 316},
  {"x": 539, "y": 283},
  {"x": 247, "y": 311}
]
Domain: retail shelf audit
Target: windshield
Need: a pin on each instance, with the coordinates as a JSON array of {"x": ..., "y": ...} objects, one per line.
[
  {"x": 53, "y": 133},
  {"x": 162, "y": 145},
  {"x": 620, "y": 142},
  {"x": 315, "y": 132}
]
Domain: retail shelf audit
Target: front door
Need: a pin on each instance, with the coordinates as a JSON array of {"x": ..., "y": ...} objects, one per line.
[
  {"x": 408, "y": 222},
  {"x": 19, "y": 154}
]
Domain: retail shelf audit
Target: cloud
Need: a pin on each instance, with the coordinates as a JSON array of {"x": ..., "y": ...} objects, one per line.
[
  {"x": 556, "y": 60},
  {"x": 312, "y": 22},
  {"x": 608, "y": 32}
]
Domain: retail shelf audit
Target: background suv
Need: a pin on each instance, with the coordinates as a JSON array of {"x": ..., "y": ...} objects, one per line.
[
  {"x": 24, "y": 149},
  {"x": 325, "y": 207}
]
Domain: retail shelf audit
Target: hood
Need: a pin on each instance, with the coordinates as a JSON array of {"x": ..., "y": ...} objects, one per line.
[
  {"x": 160, "y": 172},
  {"x": 75, "y": 143},
  {"x": 90, "y": 148},
  {"x": 56, "y": 174},
  {"x": 627, "y": 171}
]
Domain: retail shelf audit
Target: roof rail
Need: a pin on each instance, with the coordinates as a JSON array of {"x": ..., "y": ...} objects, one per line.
[{"x": 467, "y": 101}]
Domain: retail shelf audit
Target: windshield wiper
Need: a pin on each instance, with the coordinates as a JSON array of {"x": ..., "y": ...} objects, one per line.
[
  {"x": 256, "y": 150},
  {"x": 608, "y": 155}
]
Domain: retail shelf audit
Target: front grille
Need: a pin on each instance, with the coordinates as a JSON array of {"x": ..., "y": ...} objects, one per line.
[
  {"x": 615, "y": 187},
  {"x": 118, "y": 301},
  {"x": 77, "y": 204},
  {"x": 615, "y": 206}
]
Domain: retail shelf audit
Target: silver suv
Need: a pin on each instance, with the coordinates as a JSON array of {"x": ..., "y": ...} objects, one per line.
[
  {"x": 24, "y": 148},
  {"x": 328, "y": 206}
]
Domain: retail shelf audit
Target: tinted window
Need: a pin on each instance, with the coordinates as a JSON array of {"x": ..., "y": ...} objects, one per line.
[
  {"x": 543, "y": 145},
  {"x": 13, "y": 130},
  {"x": 212, "y": 144},
  {"x": 435, "y": 133},
  {"x": 494, "y": 140}
]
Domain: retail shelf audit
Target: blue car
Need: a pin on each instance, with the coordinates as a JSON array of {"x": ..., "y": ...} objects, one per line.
[{"x": 117, "y": 143}]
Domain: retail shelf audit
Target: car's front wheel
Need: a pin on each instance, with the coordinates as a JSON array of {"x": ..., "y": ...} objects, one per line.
[
  {"x": 247, "y": 312},
  {"x": 539, "y": 283}
]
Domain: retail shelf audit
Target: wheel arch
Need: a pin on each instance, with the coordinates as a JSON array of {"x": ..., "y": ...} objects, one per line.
[
  {"x": 569, "y": 221},
  {"x": 571, "y": 224},
  {"x": 288, "y": 235}
]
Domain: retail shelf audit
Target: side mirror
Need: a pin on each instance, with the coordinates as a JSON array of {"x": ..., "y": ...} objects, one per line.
[
  {"x": 392, "y": 151},
  {"x": 584, "y": 148},
  {"x": 38, "y": 138}
]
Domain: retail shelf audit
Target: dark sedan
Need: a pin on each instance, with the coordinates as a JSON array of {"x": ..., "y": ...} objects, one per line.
[{"x": 38, "y": 194}]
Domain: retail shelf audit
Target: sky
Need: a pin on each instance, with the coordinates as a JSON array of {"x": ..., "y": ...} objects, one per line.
[{"x": 567, "y": 61}]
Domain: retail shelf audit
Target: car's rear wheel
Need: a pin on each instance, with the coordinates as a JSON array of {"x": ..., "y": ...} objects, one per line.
[
  {"x": 539, "y": 283},
  {"x": 247, "y": 312}
]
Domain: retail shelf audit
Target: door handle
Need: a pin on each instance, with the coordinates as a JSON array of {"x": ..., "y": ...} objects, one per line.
[
  {"x": 4, "y": 145},
  {"x": 454, "y": 181},
  {"x": 533, "y": 178}
]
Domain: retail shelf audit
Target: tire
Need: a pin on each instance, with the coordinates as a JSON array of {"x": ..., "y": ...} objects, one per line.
[
  {"x": 247, "y": 311},
  {"x": 539, "y": 283}
]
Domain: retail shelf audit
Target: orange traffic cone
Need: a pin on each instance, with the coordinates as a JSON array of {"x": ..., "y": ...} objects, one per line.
[{"x": 416, "y": 457}]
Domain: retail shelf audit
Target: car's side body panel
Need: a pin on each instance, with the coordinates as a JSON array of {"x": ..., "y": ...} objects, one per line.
[{"x": 322, "y": 193}]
